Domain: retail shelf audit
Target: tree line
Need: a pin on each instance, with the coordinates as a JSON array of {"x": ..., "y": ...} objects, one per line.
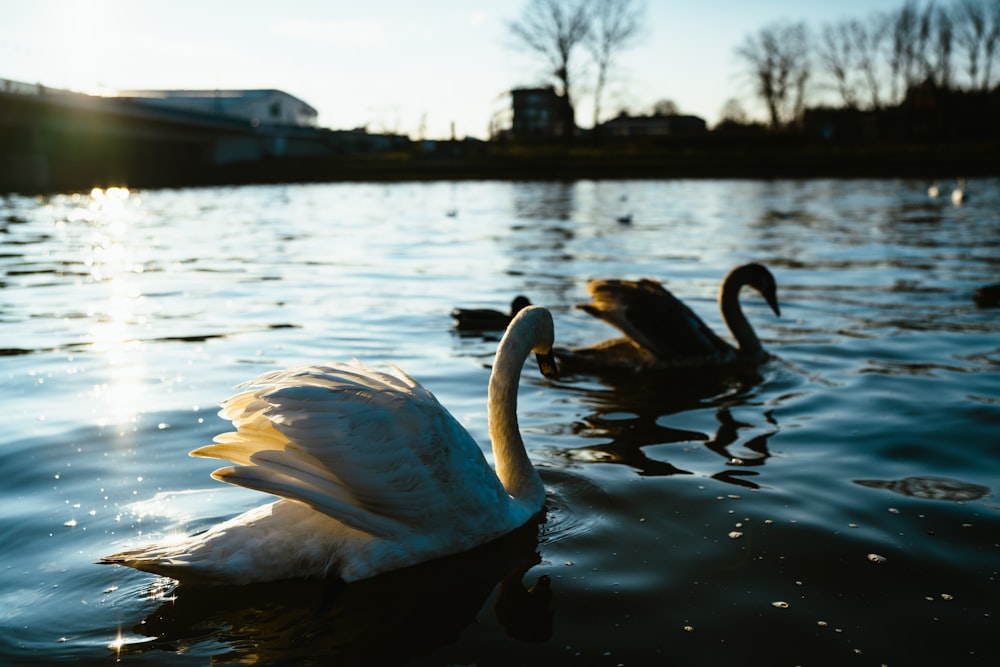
[
  {"x": 872, "y": 62},
  {"x": 866, "y": 63}
]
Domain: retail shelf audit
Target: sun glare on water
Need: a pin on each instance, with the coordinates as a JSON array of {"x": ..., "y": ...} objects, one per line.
[{"x": 113, "y": 260}]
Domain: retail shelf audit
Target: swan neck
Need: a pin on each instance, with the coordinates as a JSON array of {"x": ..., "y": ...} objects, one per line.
[
  {"x": 732, "y": 315},
  {"x": 513, "y": 467}
]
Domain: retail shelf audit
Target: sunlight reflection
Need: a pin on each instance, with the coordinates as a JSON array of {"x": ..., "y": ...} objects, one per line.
[
  {"x": 116, "y": 645},
  {"x": 111, "y": 259},
  {"x": 121, "y": 642},
  {"x": 177, "y": 507}
]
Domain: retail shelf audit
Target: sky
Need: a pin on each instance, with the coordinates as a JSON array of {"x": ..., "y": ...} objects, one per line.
[{"x": 425, "y": 68}]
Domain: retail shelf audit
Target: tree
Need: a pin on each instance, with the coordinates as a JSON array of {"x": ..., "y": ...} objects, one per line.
[
  {"x": 837, "y": 54},
  {"x": 943, "y": 43},
  {"x": 555, "y": 29},
  {"x": 866, "y": 39},
  {"x": 903, "y": 27},
  {"x": 614, "y": 26},
  {"x": 778, "y": 61},
  {"x": 977, "y": 31},
  {"x": 665, "y": 108},
  {"x": 733, "y": 112},
  {"x": 992, "y": 38}
]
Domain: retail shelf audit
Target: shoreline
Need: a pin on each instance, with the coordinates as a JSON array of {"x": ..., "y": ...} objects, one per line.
[
  {"x": 54, "y": 142},
  {"x": 908, "y": 161}
]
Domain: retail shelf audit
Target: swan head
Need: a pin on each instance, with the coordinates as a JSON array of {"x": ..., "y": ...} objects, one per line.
[
  {"x": 761, "y": 279},
  {"x": 534, "y": 324},
  {"x": 547, "y": 364}
]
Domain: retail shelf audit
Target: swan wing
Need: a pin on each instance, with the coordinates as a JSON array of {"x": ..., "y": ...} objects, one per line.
[
  {"x": 373, "y": 450},
  {"x": 654, "y": 318}
]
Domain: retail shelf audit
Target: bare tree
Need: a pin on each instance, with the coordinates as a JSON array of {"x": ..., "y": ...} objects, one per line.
[
  {"x": 903, "y": 26},
  {"x": 615, "y": 25},
  {"x": 778, "y": 61},
  {"x": 665, "y": 108},
  {"x": 992, "y": 38},
  {"x": 733, "y": 112},
  {"x": 943, "y": 45},
  {"x": 866, "y": 39},
  {"x": 837, "y": 53},
  {"x": 977, "y": 31},
  {"x": 923, "y": 34},
  {"x": 555, "y": 29}
]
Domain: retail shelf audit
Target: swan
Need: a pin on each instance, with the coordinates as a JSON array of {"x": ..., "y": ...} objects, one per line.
[
  {"x": 486, "y": 319},
  {"x": 661, "y": 333},
  {"x": 958, "y": 195},
  {"x": 373, "y": 474}
]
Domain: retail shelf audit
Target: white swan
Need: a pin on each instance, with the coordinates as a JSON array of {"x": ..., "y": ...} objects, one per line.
[
  {"x": 661, "y": 333},
  {"x": 373, "y": 473},
  {"x": 958, "y": 195}
]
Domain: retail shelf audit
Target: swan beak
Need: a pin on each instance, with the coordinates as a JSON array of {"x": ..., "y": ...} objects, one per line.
[
  {"x": 547, "y": 365},
  {"x": 772, "y": 300}
]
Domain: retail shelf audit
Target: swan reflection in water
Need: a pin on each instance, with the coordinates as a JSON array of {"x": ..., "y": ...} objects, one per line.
[
  {"x": 632, "y": 415},
  {"x": 388, "y": 619},
  {"x": 929, "y": 488}
]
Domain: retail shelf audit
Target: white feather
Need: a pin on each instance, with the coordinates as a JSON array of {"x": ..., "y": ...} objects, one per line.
[{"x": 373, "y": 474}]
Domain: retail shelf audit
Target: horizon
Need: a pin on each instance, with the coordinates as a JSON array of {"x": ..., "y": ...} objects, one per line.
[{"x": 112, "y": 45}]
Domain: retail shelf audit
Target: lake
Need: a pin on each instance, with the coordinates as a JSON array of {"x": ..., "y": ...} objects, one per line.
[{"x": 837, "y": 508}]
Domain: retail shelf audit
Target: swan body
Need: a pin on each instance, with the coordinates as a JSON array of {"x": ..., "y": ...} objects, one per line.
[
  {"x": 958, "y": 195},
  {"x": 486, "y": 319},
  {"x": 372, "y": 473},
  {"x": 662, "y": 333}
]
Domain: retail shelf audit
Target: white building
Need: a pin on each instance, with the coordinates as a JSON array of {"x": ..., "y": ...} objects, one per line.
[{"x": 258, "y": 107}]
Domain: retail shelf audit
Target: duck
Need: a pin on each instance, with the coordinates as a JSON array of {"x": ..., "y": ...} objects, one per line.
[
  {"x": 371, "y": 472},
  {"x": 661, "y": 333},
  {"x": 987, "y": 296},
  {"x": 487, "y": 319}
]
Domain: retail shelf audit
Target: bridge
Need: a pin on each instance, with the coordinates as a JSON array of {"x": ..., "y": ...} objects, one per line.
[{"x": 58, "y": 140}]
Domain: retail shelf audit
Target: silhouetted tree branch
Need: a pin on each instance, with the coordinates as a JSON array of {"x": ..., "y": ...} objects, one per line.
[
  {"x": 903, "y": 55},
  {"x": 615, "y": 25},
  {"x": 942, "y": 46},
  {"x": 733, "y": 112},
  {"x": 880, "y": 59},
  {"x": 778, "y": 60},
  {"x": 990, "y": 51},
  {"x": 554, "y": 29},
  {"x": 977, "y": 31},
  {"x": 866, "y": 39},
  {"x": 837, "y": 54}
]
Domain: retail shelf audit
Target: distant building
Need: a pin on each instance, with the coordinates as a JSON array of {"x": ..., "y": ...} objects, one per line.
[
  {"x": 653, "y": 126},
  {"x": 533, "y": 113},
  {"x": 257, "y": 106}
]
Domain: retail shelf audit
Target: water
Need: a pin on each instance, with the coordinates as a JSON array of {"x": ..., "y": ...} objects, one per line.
[{"x": 842, "y": 510}]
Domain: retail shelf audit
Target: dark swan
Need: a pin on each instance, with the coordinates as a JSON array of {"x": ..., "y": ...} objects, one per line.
[
  {"x": 486, "y": 319},
  {"x": 661, "y": 333}
]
